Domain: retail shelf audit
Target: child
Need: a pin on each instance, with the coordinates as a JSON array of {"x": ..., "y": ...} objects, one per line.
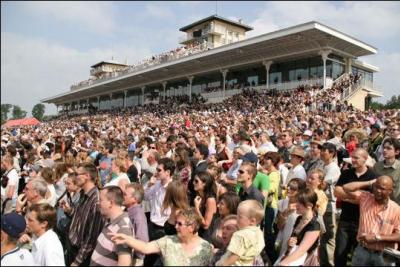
[{"x": 248, "y": 241}]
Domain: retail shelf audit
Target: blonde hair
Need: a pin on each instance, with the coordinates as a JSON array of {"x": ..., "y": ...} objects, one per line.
[{"x": 253, "y": 209}]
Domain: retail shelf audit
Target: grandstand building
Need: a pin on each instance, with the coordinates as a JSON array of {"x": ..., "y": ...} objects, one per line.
[{"x": 218, "y": 61}]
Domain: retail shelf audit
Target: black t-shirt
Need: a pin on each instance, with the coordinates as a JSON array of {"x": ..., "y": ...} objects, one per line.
[
  {"x": 132, "y": 174},
  {"x": 351, "y": 212},
  {"x": 313, "y": 225}
]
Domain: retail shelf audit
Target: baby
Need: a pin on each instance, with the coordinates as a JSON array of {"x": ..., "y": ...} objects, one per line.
[{"x": 248, "y": 241}]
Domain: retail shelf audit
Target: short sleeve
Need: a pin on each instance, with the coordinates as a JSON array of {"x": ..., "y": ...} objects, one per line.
[
  {"x": 236, "y": 245},
  {"x": 162, "y": 244},
  {"x": 312, "y": 226},
  {"x": 124, "y": 249},
  {"x": 342, "y": 180}
]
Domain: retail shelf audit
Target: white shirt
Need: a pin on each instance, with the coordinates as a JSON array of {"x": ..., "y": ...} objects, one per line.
[
  {"x": 115, "y": 181},
  {"x": 47, "y": 250},
  {"x": 13, "y": 179},
  {"x": 332, "y": 174},
  {"x": 17, "y": 257},
  {"x": 155, "y": 195},
  {"x": 297, "y": 172},
  {"x": 53, "y": 196}
]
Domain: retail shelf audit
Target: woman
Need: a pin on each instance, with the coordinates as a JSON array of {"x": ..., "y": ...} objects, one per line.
[
  {"x": 222, "y": 152},
  {"x": 303, "y": 243},
  {"x": 205, "y": 203},
  {"x": 287, "y": 214},
  {"x": 315, "y": 181},
  {"x": 183, "y": 169},
  {"x": 120, "y": 178},
  {"x": 185, "y": 248},
  {"x": 270, "y": 167},
  {"x": 60, "y": 174},
  {"x": 176, "y": 199},
  {"x": 48, "y": 175}
]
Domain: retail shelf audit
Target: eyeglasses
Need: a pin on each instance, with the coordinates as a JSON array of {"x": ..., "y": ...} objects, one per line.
[
  {"x": 159, "y": 170},
  {"x": 292, "y": 188}
]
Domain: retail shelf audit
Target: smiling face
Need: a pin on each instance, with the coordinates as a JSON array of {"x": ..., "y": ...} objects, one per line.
[
  {"x": 383, "y": 188},
  {"x": 228, "y": 228}
]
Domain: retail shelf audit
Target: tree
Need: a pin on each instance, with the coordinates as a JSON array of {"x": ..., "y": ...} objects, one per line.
[
  {"x": 18, "y": 113},
  {"x": 393, "y": 103},
  {"x": 38, "y": 111},
  {"x": 5, "y": 109}
]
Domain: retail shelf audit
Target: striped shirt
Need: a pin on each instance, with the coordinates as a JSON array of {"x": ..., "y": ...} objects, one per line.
[
  {"x": 106, "y": 251},
  {"x": 374, "y": 220},
  {"x": 86, "y": 225}
]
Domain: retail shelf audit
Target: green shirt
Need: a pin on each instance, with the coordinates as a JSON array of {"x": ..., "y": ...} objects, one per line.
[{"x": 261, "y": 182}]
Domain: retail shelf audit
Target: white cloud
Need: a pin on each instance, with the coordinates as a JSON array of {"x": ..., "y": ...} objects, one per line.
[
  {"x": 159, "y": 11},
  {"x": 97, "y": 17},
  {"x": 33, "y": 69},
  {"x": 366, "y": 20}
]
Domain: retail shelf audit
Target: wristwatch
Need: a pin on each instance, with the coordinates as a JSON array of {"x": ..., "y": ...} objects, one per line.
[{"x": 378, "y": 238}]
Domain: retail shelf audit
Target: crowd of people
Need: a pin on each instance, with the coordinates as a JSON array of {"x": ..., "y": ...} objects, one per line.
[
  {"x": 264, "y": 178},
  {"x": 179, "y": 52}
]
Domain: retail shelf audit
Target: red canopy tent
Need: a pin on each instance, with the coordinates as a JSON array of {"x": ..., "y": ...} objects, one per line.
[{"x": 21, "y": 122}]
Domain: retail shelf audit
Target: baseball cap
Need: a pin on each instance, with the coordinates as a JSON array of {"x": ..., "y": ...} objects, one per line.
[
  {"x": 13, "y": 224},
  {"x": 250, "y": 157}
]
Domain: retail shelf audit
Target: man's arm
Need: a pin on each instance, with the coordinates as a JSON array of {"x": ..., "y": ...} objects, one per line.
[{"x": 229, "y": 261}]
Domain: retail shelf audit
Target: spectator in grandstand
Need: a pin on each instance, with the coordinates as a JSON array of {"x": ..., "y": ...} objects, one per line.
[
  {"x": 133, "y": 196},
  {"x": 232, "y": 173},
  {"x": 303, "y": 243},
  {"x": 390, "y": 166},
  {"x": 246, "y": 174},
  {"x": 183, "y": 168},
  {"x": 372, "y": 236},
  {"x": 48, "y": 175},
  {"x": 176, "y": 200},
  {"x": 228, "y": 228},
  {"x": 105, "y": 162},
  {"x": 105, "y": 253},
  {"x": 9, "y": 185},
  {"x": 46, "y": 247},
  {"x": 200, "y": 156},
  {"x": 83, "y": 233},
  {"x": 247, "y": 242},
  {"x": 34, "y": 193},
  {"x": 118, "y": 175},
  {"x": 297, "y": 170},
  {"x": 155, "y": 193},
  {"x": 349, "y": 218},
  {"x": 313, "y": 159},
  {"x": 287, "y": 141},
  {"x": 13, "y": 226},
  {"x": 185, "y": 248}
]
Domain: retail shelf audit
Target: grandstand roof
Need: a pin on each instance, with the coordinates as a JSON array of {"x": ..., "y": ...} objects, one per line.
[
  {"x": 112, "y": 62},
  {"x": 216, "y": 17},
  {"x": 286, "y": 44}
]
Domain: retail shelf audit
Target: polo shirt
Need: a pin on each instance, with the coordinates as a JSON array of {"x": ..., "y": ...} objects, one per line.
[
  {"x": 47, "y": 250},
  {"x": 17, "y": 257},
  {"x": 351, "y": 212},
  {"x": 251, "y": 193}
]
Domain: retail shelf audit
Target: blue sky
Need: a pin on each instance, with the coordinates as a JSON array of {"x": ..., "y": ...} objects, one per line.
[{"x": 47, "y": 46}]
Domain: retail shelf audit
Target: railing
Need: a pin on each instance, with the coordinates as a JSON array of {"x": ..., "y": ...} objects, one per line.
[
  {"x": 294, "y": 84},
  {"x": 351, "y": 90}
]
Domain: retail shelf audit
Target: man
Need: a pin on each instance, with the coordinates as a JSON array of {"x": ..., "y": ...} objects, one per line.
[
  {"x": 349, "y": 218},
  {"x": 392, "y": 131},
  {"x": 13, "y": 226},
  {"x": 200, "y": 156},
  {"x": 87, "y": 221},
  {"x": 375, "y": 139},
  {"x": 390, "y": 166},
  {"x": 379, "y": 226},
  {"x": 133, "y": 196},
  {"x": 247, "y": 172},
  {"x": 155, "y": 193},
  {"x": 46, "y": 246},
  {"x": 105, "y": 162},
  {"x": 332, "y": 174},
  {"x": 287, "y": 141},
  {"x": 266, "y": 143},
  {"x": 9, "y": 185},
  {"x": 34, "y": 193},
  {"x": 297, "y": 171},
  {"x": 313, "y": 159},
  {"x": 111, "y": 207}
]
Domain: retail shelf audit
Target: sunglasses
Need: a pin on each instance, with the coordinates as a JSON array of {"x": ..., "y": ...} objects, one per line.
[{"x": 292, "y": 188}]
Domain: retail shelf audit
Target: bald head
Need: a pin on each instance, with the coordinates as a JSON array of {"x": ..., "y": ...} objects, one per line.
[
  {"x": 383, "y": 188},
  {"x": 386, "y": 181}
]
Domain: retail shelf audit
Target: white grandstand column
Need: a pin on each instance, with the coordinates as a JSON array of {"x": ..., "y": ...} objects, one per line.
[
  {"x": 348, "y": 65},
  {"x": 224, "y": 73},
  {"x": 324, "y": 54},
  {"x": 190, "y": 78},
  {"x": 164, "y": 84},
  {"x": 267, "y": 65},
  {"x": 125, "y": 93},
  {"x": 143, "y": 88}
]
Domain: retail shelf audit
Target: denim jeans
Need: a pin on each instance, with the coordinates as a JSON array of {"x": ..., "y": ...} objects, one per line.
[
  {"x": 345, "y": 241},
  {"x": 364, "y": 257}
]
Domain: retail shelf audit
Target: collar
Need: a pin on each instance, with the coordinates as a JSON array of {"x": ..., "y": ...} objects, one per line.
[
  {"x": 395, "y": 165},
  {"x": 10, "y": 252},
  {"x": 90, "y": 193},
  {"x": 200, "y": 161},
  {"x": 38, "y": 240},
  {"x": 117, "y": 219}
]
